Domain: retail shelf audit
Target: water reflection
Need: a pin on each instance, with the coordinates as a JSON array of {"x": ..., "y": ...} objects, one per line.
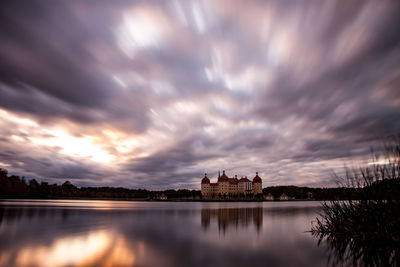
[
  {"x": 370, "y": 252},
  {"x": 239, "y": 217},
  {"x": 158, "y": 234},
  {"x": 359, "y": 248},
  {"x": 91, "y": 249}
]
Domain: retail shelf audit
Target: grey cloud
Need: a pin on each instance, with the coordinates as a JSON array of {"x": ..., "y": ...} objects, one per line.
[
  {"x": 326, "y": 150},
  {"x": 55, "y": 168},
  {"x": 32, "y": 101},
  {"x": 179, "y": 155},
  {"x": 329, "y": 98},
  {"x": 47, "y": 165},
  {"x": 44, "y": 52},
  {"x": 48, "y": 68},
  {"x": 249, "y": 139}
]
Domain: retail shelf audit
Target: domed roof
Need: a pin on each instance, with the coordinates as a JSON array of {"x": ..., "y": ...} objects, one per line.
[
  {"x": 223, "y": 177},
  {"x": 205, "y": 180},
  {"x": 257, "y": 179}
]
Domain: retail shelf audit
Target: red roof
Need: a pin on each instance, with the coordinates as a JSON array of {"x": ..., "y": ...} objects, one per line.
[
  {"x": 205, "y": 180},
  {"x": 223, "y": 177},
  {"x": 257, "y": 179},
  {"x": 244, "y": 180},
  {"x": 233, "y": 180}
]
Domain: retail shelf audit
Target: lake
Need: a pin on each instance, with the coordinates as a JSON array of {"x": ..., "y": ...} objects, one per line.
[{"x": 123, "y": 233}]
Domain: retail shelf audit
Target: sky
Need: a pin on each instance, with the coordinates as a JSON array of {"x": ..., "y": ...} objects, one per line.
[{"x": 153, "y": 94}]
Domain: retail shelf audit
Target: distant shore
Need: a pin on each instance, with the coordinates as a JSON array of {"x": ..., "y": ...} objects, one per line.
[
  {"x": 158, "y": 200},
  {"x": 15, "y": 187}
]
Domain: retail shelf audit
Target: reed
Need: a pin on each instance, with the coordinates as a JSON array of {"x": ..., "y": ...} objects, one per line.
[{"x": 366, "y": 232}]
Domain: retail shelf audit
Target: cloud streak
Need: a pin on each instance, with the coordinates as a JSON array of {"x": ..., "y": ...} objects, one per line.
[{"x": 154, "y": 94}]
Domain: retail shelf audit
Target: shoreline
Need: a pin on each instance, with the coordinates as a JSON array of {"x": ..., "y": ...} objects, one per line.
[{"x": 157, "y": 200}]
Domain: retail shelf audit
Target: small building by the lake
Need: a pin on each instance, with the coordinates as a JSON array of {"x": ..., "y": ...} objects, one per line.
[
  {"x": 283, "y": 197},
  {"x": 269, "y": 197}
]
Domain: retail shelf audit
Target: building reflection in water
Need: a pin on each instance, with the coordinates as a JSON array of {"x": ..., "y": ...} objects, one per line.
[{"x": 236, "y": 217}]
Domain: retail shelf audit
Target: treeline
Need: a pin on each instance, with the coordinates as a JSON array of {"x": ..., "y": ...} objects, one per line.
[
  {"x": 384, "y": 189},
  {"x": 12, "y": 186},
  {"x": 338, "y": 193}
]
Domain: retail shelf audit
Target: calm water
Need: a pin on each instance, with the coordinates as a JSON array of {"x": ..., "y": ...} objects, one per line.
[{"x": 118, "y": 233}]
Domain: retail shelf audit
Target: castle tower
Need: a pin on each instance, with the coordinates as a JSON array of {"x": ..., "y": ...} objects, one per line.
[{"x": 257, "y": 185}]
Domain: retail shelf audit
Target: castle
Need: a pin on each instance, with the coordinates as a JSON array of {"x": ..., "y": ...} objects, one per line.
[{"x": 226, "y": 186}]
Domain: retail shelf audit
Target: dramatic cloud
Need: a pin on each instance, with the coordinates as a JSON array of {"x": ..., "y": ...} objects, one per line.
[{"x": 155, "y": 93}]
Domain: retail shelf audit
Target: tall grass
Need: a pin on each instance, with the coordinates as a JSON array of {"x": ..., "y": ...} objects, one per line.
[{"x": 366, "y": 232}]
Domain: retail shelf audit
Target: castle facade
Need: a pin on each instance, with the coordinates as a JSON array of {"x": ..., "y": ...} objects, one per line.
[{"x": 226, "y": 186}]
